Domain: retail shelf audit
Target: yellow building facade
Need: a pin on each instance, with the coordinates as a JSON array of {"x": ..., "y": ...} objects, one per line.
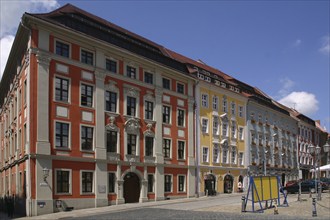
[{"x": 220, "y": 134}]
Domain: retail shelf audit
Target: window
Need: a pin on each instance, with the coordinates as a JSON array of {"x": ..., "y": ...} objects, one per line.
[
  {"x": 150, "y": 183},
  {"x": 181, "y": 117},
  {"x": 240, "y": 111},
  {"x": 149, "y": 110},
  {"x": 168, "y": 183},
  {"x": 215, "y": 102},
  {"x": 181, "y": 149},
  {"x": 205, "y": 125},
  {"x": 233, "y": 108},
  {"x": 166, "y": 83},
  {"x": 111, "y": 65},
  {"x": 61, "y": 89},
  {"x": 233, "y": 129},
  {"x": 111, "y": 101},
  {"x": 112, "y": 182},
  {"x": 131, "y": 106},
  {"x": 224, "y": 129},
  {"x": 148, "y": 78},
  {"x": 205, "y": 154},
  {"x": 131, "y": 72},
  {"x": 87, "y": 182},
  {"x": 62, "y": 135},
  {"x": 149, "y": 146},
  {"x": 216, "y": 152},
  {"x": 62, "y": 49},
  {"x": 86, "y": 95},
  {"x": 166, "y": 114},
  {"x": 241, "y": 132},
  {"x": 224, "y": 104},
  {"x": 205, "y": 100},
  {"x": 167, "y": 148},
  {"x": 215, "y": 125},
  {"x": 233, "y": 156},
  {"x": 260, "y": 137},
  {"x": 86, "y": 138},
  {"x": 87, "y": 57},
  {"x": 25, "y": 92},
  {"x": 182, "y": 183},
  {"x": 131, "y": 144},
  {"x": 225, "y": 155},
  {"x": 111, "y": 141},
  {"x": 62, "y": 181},
  {"x": 180, "y": 88},
  {"x": 240, "y": 159}
]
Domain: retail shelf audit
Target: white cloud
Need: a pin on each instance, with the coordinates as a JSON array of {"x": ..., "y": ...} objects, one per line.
[
  {"x": 325, "y": 48},
  {"x": 10, "y": 15},
  {"x": 287, "y": 86},
  {"x": 5, "y": 45},
  {"x": 304, "y": 102}
]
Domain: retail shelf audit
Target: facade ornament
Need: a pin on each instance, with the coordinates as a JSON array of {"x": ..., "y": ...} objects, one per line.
[
  {"x": 132, "y": 126},
  {"x": 132, "y": 92},
  {"x": 112, "y": 86},
  {"x": 43, "y": 58},
  {"x": 111, "y": 125},
  {"x": 149, "y": 96},
  {"x": 100, "y": 75},
  {"x": 149, "y": 132}
]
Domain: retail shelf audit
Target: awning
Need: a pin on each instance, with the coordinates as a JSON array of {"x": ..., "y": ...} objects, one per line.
[{"x": 322, "y": 168}]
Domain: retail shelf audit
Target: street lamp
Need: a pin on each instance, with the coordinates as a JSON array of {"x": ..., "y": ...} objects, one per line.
[
  {"x": 316, "y": 151},
  {"x": 326, "y": 149}
]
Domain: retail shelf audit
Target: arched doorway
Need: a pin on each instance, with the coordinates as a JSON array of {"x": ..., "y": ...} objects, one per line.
[
  {"x": 240, "y": 184},
  {"x": 228, "y": 184},
  {"x": 209, "y": 185},
  {"x": 131, "y": 188}
]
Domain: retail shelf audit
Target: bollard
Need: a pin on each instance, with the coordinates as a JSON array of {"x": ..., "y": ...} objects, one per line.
[
  {"x": 314, "y": 214},
  {"x": 243, "y": 204},
  {"x": 275, "y": 207}
]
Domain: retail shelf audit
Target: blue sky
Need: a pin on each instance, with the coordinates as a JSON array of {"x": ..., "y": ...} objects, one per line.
[{"x": 281, "y": 47}]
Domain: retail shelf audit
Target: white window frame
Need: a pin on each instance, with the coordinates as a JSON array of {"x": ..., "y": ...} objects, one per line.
[
  {"x": 170, "y": 116},
  {"x": 205, "y": 155},
  {"x": 136, "y": 95},
  {"x": 93, "y": 102},
  {"x": 153, "y": 77},
  {"x": 170, "y": 83},
  {"x": 216, "y": 158},
  {"x": 171, "y": 183},
  {"x": 115, "y": 188},
  {"x": 224, "y": 132},
  {"x": 64, "y": 42},
  {"x": 184, "y": 150},
  {"x": 136, "y": 71},
  {"x": 93, "y": 143},
  {"x": 171, "y": 148},
  {"x": 70, "y": 181},
  {"x": 184, "y": 88},
  {"x": 224, "y": 104},
  {"x": 241, "y": 158},
  {"x": 69, "y": 136},
  {"x": 240, "y": 111},
  {"x": 184, "y": 118},
  {"x": 184, "y": 183},
  {"x": 106, "y": 137},
  {"x": 205, "y": 100},
  {"x": 225, "y": 151},
  {"x": 117, "y": 101},
  {"x": 113, "y": 59},
  {"x": 87, "y": 50},
  {"x": 233, "y": 130},
  {"x": 233, "y": 108},
  {"x": 205, "y": 131},
  {"x": 69, "y": 90},
  {"x": 233, "y": 160},
  {"x": 93, "y": 186},
  {"x": 215, "y": 125},
  {"x": 240, "y": 133},
  {"x": 215, "y": 103}
]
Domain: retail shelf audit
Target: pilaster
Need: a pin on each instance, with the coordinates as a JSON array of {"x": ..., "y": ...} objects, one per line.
[{"x": 43, "y": 144}]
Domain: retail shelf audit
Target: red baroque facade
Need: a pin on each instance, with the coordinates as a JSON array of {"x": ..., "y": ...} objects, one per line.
[{"x": 93, "y": 115}]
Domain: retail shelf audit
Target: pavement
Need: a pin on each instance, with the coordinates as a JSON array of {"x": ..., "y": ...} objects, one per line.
[{"x": 299, "y": 209}]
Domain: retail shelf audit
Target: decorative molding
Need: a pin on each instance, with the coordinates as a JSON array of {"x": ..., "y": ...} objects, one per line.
[
  {"x": 132, "y": 125},
  {"x": 43, "y": 58}
]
